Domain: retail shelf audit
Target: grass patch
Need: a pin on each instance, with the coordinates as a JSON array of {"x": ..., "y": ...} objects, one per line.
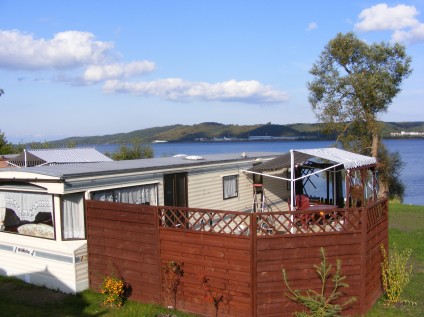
[
  {"x": 18, "y": 298},
  {"x": 406, "y": 229}
]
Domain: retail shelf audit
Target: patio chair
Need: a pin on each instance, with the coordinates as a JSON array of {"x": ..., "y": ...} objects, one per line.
[{"x": 301, "y": 203}]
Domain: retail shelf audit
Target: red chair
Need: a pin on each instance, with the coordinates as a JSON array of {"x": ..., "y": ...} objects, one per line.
[{"x": 302, "y": 203}]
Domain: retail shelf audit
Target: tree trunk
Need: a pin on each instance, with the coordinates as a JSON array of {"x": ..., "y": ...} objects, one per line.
[
  {"x": 374, "y": 146},
  {"x": 383, "y": 186}
]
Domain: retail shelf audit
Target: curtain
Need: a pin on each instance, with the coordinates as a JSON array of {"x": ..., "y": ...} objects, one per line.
[
  {"x": 137, "y": 195},
  {"x": 26, "y": 205},
  {"x": 104, "y": 195},
  {"x": 2, "y": 215},
  {"x": 230, "y": 186},
  {"x": 144, "y": 194},
  {"x": 370, "y": 186},
  {"x": 73, "y": 216}
]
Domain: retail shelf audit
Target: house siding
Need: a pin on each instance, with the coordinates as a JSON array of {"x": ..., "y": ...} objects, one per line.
[
  {"x": 205, "y": 190},
  {"x": 47, "y": 263}
]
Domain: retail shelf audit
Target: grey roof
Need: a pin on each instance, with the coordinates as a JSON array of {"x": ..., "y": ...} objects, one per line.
[
  {"x": 133, "y": 166},
  {"x": 61, "y": 156},
  {"x": 348, "y": 159}
]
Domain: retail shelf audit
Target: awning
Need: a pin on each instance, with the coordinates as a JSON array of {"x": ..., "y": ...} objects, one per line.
[
  {"x": 334, "y": 156},
  {"x": 341, "y": 157}
]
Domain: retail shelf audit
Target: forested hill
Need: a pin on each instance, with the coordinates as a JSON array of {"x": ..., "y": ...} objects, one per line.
[{"x": 209, "y": 131}]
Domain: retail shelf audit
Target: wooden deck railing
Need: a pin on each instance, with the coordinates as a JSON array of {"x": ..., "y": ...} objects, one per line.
[{"x": 267, "y": 223}]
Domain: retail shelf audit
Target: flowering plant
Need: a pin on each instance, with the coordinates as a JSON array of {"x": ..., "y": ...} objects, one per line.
[
  {"x": 211, "y": 296},
  {"x": 113, "y": 287}
]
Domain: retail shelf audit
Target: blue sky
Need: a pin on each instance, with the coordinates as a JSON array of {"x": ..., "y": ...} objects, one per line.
[{"x": 86, "y": 68}]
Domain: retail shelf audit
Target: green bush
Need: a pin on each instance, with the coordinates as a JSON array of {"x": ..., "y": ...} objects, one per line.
[{"x": 395, "y": 273}]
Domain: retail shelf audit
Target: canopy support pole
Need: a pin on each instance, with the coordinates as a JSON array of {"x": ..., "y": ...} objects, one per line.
[{"x": 292, "y": 182}]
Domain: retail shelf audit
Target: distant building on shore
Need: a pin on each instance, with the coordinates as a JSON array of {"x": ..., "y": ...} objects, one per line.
[{"x": 407, "y": 134}]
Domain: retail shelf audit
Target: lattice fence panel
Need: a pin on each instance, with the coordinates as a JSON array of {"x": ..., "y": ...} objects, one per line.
[
  {"x": 336, "y": 220},
  {"x": 205, "y": 220},
  {"x": 377, "y": 213}
]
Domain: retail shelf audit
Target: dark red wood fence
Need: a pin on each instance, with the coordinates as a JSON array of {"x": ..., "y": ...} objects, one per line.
[{"x": 241, "y": 253}]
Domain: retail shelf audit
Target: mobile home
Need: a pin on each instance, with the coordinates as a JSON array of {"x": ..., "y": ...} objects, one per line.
[{"x": 42, "y": 221}]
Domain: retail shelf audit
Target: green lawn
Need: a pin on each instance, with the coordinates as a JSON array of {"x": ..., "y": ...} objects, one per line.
[
  {"x": 20, "y": 299},
  {"x": 406, "y": 228}
]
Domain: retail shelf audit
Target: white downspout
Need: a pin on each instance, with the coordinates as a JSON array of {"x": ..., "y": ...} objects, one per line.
[
  {"x": 334, "y": 186},
  {"x": 292, "y": 189},
  {"x": 25, "y": 157}
]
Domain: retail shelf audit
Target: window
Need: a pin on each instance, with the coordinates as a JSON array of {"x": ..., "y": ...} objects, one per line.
[
  {"x": 230, "y": 186},
  {"x": 144, "y": 194},
  {"x": 27, "y": 213},
  {"x": 73, "y": 225}
]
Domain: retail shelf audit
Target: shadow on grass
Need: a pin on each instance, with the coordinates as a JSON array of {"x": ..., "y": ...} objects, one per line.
[{"x": 18, "y": 298}]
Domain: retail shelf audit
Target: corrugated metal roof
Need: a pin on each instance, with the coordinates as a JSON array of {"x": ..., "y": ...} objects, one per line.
[
  {"x": 60, "y": 156},
  {"x": 70, "y": 155},
  {"x": 134, "y": 166}
]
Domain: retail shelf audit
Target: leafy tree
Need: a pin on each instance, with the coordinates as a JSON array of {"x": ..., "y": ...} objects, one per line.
[
  {"x": 134, "y": 152},
  {"x": 5, "y": 146},
  {"x": 1, "y": 91},
  {"x": 71, "y": 144},
  {"x": 41, "y": 145},
  {"x": 354, "y": 83}
]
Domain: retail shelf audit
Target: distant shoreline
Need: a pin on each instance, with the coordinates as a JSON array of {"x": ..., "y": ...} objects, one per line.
[{"x": 293, "y": 139}]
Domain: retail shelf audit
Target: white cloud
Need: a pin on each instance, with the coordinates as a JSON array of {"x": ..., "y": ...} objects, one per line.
[
  {"x": 71, "y": 52},
  {"x": 312, "y": 26},
  {"x": 401, "y": 19},
  {"x": 176, "y": 89},
  {"x": 68, "y": 49},
  {"x": 415, "y": 35},
  {"x": 381, "y": 17},
  {"x": 97, "y": 73}
]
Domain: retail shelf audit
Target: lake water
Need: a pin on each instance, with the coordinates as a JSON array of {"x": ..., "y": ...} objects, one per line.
[{"x": 411, "y": 151}]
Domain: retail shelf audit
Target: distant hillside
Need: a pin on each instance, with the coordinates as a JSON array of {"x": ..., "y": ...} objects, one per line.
[{"x": 213, "y": 130}]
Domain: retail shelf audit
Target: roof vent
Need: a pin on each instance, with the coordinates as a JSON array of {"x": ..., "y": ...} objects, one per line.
[{"x": 194, "y": 157}]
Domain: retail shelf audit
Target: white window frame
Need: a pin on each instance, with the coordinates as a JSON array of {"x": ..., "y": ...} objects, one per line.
[{"x": 230, "y": 186}]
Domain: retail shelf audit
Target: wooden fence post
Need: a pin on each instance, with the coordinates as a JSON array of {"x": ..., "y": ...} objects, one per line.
[
  {"x": 253, "y": 262},
  {"x": 363, "y": 274},
  {"x": 159, "y": 255}
]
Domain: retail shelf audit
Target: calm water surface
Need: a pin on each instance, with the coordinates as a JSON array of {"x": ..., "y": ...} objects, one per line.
[{"x": 411, "y": 151}]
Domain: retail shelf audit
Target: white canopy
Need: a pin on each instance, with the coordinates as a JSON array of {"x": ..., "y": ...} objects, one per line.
[{"x": 339, "y": 157}]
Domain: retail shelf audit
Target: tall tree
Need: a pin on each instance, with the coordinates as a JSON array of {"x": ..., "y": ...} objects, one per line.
[
  {"x": 353, "y": 84},
  {"x": 5, "y": 146},
  {"x": 134, "y": 152}
]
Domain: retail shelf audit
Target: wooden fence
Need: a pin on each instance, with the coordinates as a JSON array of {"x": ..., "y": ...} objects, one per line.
[{"x": 242, "y": 254}]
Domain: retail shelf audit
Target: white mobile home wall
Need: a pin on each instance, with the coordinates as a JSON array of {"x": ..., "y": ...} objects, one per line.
[{"x": 205, "y": 189}]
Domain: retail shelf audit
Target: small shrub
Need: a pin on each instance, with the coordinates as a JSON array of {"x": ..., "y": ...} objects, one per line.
[
  {"x": 211, "y": 297},
  {"x": 173, "y": 273},
  {"x": 395, "y": 273},
  {"x": 114, "y": 288},
  {"x": 317, "y": 303}
]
